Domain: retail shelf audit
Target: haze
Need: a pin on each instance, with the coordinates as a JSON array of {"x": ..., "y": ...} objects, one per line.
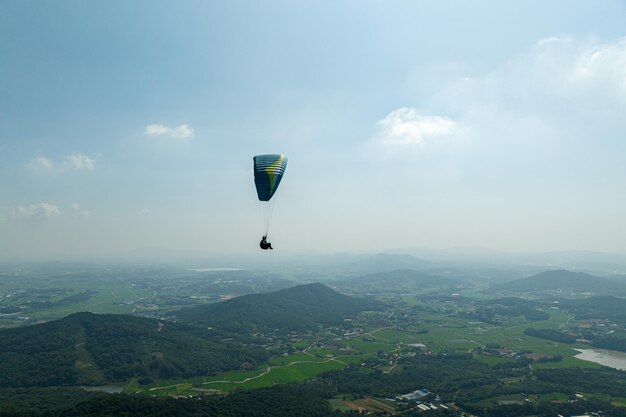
[{"x": 126, "y": 125}]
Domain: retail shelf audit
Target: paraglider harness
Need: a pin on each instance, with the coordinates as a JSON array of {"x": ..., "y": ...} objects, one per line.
[{"x": 264, "y": 244}]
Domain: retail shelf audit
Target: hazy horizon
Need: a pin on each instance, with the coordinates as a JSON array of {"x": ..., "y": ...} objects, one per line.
[{"x": 126, "y": 126}]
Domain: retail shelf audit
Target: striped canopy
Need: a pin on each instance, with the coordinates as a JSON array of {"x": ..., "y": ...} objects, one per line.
[{"x": 268, "y": 171}]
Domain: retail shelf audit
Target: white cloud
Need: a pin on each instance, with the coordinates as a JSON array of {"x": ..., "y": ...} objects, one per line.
[
  {"x": 40, "y": 163},
  {"x": 73, "y": 162},
  {"x": 558, "y": 95},
  {"x": 530, "y": 123},
  {"x": 603, "y": 64},
  {"x": 551, "y": 39},
  {"x": 80, "y": 210},
  {"x": 35, "y": 212},
  {"x": 78, "y": 162},
  {"x": 182, "y": 132},
  {"x": 557, "y": 73},
  {"x": 157, "y": 130},
  {"x": 406, "y": 126}
]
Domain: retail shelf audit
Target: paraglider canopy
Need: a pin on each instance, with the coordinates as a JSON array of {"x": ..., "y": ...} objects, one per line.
[{"x": 268, "y": 171}]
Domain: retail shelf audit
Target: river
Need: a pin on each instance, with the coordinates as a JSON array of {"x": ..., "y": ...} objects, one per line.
[{"x": 610, "y": 358}]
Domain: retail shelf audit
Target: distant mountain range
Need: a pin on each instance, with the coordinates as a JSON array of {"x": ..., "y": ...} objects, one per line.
[
  {"x": 564, "y": 281},
  {"x": 298, "y": 308}
]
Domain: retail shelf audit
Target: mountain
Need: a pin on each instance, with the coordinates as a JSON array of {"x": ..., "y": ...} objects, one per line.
[
  {"x": 592, "y": 262},
  {"x": 298, "y": 308},
  {"x": 400, "y": 280},
  {"x": 86, "y": 348},
  {"x": 602, "y": 307},
  {"x": 564, "y": 281}
]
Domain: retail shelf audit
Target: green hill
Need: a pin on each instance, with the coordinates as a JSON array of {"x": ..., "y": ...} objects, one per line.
[
  {"x": 298, "y": 308},
  {"x": 86, "y": 348},
  {"x": 602, "y": 307},
  {"x": 564, "y": 281}
]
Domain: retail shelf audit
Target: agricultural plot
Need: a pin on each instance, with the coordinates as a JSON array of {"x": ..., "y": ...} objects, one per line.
[
  {"x": 369, "y": 404},
  {"x": 56, "y": 297},
  {"x": 265, "y": 377}
]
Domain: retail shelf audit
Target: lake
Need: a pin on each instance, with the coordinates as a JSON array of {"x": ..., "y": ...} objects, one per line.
[{"x": 611, "y": 358}]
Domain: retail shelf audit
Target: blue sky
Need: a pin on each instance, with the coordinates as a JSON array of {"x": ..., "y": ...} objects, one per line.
[{"x": 126, "y": 125}]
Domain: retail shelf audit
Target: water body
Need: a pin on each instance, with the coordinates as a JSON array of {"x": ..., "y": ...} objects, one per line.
[{"x": 610, "y": 358}]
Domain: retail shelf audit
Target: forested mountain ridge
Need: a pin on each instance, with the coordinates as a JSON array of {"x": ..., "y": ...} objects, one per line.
[
  {"x": 562, "y": 280},
  {"x": 298, "y": 308},
  {"x": 86, "y": 348}
]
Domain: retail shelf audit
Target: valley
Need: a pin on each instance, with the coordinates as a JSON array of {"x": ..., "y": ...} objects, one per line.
[{"x": 467, "y": 345}]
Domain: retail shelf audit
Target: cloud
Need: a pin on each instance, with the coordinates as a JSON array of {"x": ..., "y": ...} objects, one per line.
[
  {"x": 407, "y": 127},
  {"x": 560, "y": 92},
  {"x": 157, "y": 130},
  {"x": 80, "y": 210},
  {"x": 78, "y": 162},
  {"x": 40, "y": 163},
  {"x": 182, "y": 133},
  {"x": 35, "y": 212},
  {"x": 551, "y": 39},
  {"x": 531, "y": 122},
  {"x": 603, "y": 65},
  {"x": 555, "y": 74},
  {"x": 73, "y": 162}
]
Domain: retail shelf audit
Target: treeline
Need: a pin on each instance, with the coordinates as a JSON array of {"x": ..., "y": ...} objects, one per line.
[
  {"x": 546, "y": 409},
  {"x": 600, "y": 380},
  {"x": 612, "y": 341},
  {"x": 550, "y": 334},
  {"x": 302, "y": 400}
]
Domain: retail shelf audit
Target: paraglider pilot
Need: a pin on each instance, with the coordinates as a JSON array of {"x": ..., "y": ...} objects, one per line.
[{"x": 265, "y": 244}]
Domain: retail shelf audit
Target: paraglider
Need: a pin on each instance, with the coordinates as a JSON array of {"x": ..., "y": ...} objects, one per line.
[
  {"x": 268, "y": 172},
  {"x": 264, "y": 244}
]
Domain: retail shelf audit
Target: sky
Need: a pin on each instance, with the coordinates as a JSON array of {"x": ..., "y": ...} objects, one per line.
[{"x": 130, "y": 125}]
